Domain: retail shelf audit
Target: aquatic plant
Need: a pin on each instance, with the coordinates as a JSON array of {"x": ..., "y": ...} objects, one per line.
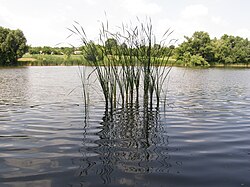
[{"x": 129, "y": 64}]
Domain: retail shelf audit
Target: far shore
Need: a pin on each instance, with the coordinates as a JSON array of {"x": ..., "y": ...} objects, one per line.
[{"x": 75, "y": 60}]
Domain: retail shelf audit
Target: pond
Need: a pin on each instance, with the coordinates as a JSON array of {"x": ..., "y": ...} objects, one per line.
[{"x": 201, "y": 138}]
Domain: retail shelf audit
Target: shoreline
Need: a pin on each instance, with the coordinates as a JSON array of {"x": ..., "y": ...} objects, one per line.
[{"x": 76, "y": 60}]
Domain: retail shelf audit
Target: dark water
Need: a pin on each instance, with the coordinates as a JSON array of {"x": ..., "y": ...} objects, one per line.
[{"x": 201, "y": 139}]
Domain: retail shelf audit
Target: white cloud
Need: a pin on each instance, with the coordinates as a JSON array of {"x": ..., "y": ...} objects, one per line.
[
  {"x": 136, "y": 7},
  {"x": 38, "y": 29},
  {"x": 194, "y": 11},
  {"x": 243, "y": 32},
  {"x": 46, "y": 25},
  {"x": 91, "y": 2},
  {"x": 192, "y": 18},
  {"x": 218, "y": 21},
  {"x": 198, "y": 18},
  {"x": 6, "y": 16}
]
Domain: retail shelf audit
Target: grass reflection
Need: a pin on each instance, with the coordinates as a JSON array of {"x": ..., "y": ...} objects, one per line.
[{"x": 130, "y": 141}]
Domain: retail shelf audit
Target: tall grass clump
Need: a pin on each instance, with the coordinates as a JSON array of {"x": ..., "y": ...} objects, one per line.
[{"x": 129, "y": 64}]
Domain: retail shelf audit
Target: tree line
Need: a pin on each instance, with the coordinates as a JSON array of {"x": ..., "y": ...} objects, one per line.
[
  {"x": 112, "y": 47},
  {"x": 197, "y": 50},
  {"x": 47, "y": 50},
  {"x": 201, "y": 50}
]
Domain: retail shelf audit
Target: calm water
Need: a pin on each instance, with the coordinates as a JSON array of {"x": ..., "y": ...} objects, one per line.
[{"x": 201, "y": 139}]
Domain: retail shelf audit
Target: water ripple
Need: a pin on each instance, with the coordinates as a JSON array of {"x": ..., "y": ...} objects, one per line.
[{"x": 200, "y": 139}]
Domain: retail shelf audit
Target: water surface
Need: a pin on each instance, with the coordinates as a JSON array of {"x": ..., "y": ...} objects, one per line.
[{"x": 200, "y": 139}]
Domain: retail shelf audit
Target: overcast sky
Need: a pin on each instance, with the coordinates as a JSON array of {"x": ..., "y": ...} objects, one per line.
[{"x": 44, "y": 22}]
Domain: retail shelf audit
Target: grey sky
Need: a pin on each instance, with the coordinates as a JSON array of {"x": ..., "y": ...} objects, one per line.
[{"x": 45, "y": 22}]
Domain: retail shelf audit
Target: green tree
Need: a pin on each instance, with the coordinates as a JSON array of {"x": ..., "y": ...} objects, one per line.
[
  {"x": 124, "y": 49},
  {"x": 197, "y": 60},
  {"x": 111, "y": 46},
  {"x": 34, "y": 50},
  {"x": 198, "y": 45},
  {"x": 230, "y": 50},
  {"x": 12, "y": 46},
  {"x": 68, "y": 51},
  {"x": 93, "y": 52}
]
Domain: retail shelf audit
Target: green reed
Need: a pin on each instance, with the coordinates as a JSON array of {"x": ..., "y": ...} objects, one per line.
[{"x": 131, "y": 71}]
